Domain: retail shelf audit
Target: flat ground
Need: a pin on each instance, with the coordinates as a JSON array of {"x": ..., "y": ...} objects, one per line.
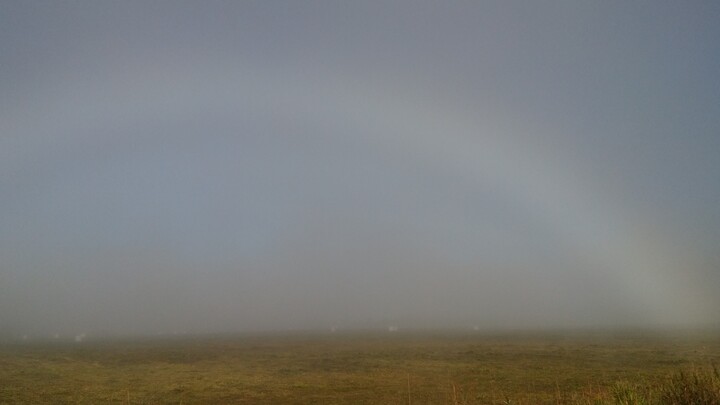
[{"x": 377, "y": 368}]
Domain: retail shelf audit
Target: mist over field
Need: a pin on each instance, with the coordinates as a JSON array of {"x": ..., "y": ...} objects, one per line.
[{"x": 193, "y": 167}]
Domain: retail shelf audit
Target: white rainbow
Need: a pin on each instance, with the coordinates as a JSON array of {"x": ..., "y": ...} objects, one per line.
[{"x": 448, "y": 136}]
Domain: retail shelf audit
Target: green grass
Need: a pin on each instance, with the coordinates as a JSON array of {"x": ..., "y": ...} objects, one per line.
[{"x": 364, "y": 368}]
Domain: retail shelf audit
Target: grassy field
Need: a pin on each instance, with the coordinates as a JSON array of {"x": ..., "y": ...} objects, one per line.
[{"x": 379, "y": 368}]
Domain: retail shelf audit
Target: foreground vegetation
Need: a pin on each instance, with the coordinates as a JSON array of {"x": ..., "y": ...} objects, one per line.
[{"x": 377, "y": 368}]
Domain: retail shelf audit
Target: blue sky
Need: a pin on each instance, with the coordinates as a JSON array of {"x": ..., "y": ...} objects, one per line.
[{"x": 222, "y": 166}]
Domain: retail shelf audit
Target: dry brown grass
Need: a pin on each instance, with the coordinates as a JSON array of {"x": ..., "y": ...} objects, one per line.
[{"x": 352, "y": 368}]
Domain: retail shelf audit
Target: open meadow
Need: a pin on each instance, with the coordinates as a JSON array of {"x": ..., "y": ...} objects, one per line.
[{"x": 377, "y": 368}]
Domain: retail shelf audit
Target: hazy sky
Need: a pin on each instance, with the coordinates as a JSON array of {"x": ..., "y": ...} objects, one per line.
[{"x": 226, "y": 166}]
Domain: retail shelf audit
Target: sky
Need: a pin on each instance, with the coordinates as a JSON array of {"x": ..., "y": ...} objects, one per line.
[{"x": 220, "y": 166}]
